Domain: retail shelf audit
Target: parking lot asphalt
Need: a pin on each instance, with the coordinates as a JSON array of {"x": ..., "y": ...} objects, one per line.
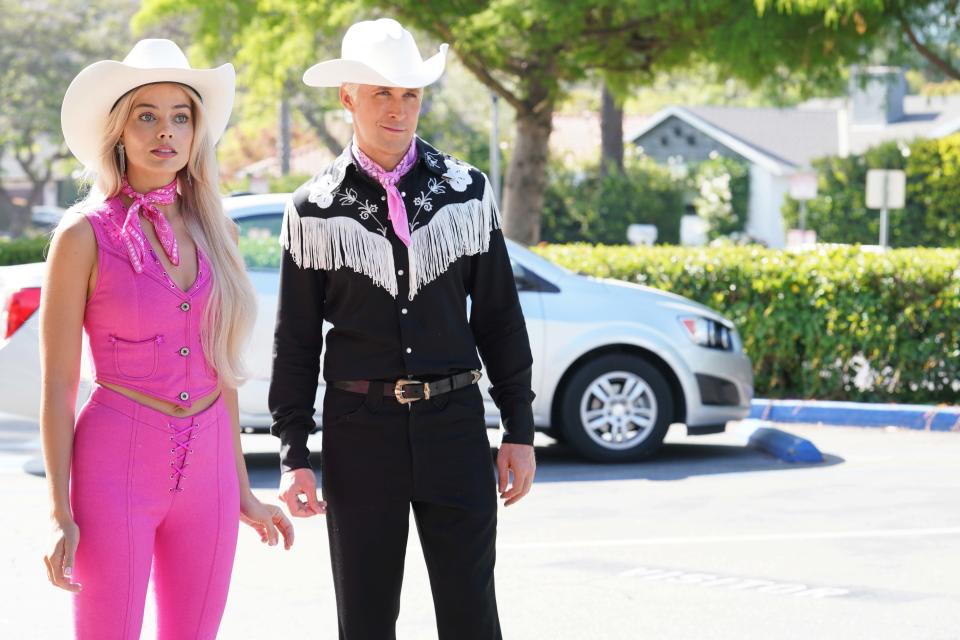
[{"x": 709, "y": 540}]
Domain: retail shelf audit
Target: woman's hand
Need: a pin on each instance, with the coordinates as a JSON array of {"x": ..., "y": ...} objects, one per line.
[
  {"x": 66, "y": 537},
  {"x": 266, "y": 519}
]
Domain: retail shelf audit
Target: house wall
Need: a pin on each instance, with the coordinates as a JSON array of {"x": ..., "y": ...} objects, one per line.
[{"x": 767, "y": 193}]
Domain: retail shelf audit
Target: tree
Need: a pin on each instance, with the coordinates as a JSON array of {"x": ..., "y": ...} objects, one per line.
[
  {"x": 930, "y": 28},
  {"x": 42, "y": 49},
  {"x": 611, "y": 132},
  {"x": 529, "y": 51},
  {"x": 271, "y": 49}
]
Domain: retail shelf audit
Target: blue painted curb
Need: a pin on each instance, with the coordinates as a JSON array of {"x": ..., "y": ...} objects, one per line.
[
  {"x": 783, "y": 445},
  {"x": 858, "y": 414}
]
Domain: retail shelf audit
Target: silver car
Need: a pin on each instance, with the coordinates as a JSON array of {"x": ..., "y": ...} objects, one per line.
[{"x": 615, "y": 364}]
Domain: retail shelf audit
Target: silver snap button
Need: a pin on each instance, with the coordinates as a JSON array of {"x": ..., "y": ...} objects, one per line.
[
  {"x": 404, "y": 194},
  {"x": 382, "y": 198},
  {"x": 185, "y": 351},
  {"x": 403, "y": 311},
  {"x": 184, "y": 395},
  {"x": 409, "y": 350},
  {"x": 185, "y": 306},
  {"x": 399, "y": 272}
]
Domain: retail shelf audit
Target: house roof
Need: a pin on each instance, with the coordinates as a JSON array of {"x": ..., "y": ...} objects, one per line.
[
  {"x": 753, "y": 153},
  {"x": 784, "y": 140},
  {"x": 792, "y": 136}
]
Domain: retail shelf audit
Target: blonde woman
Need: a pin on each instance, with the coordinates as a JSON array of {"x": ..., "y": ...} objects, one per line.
[{"x": 149, "y": 474}]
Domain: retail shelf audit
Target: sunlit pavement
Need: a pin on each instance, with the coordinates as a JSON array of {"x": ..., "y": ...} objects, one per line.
[{"x": 708, "y": 540}]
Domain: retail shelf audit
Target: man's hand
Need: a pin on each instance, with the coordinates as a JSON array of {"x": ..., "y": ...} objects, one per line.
[
  {"x": 301, "y": 482},
  {"x": 520, "y": 460}
]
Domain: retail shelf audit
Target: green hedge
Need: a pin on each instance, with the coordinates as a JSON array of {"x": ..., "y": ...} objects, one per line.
[
  {"x": 23, "y": 250},
  {"x": 834, "y": 323},
  {"x": 931, "y": 217},
  {"x": 580, "y": 205}
]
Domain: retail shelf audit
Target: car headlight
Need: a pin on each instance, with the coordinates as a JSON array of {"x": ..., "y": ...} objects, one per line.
[{"x": 708, "y": 332}]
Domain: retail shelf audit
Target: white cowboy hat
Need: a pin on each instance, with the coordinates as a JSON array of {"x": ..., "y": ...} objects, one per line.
[
  {"x": 94, "y": 92},
  {"x": 378, "y": 52}
]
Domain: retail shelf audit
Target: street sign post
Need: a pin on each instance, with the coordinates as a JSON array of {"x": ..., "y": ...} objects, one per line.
[
  {"x": 886, "y": 189},
  {"x": 803, "y": 187}
]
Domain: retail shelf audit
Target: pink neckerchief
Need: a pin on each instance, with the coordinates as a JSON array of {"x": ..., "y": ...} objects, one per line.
[
  {"x": 388, "y": 180},
  {"x": 131, "y": 232}
]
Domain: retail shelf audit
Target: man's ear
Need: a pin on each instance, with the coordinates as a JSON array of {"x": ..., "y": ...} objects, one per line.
[{"x": 346, "y": 100}]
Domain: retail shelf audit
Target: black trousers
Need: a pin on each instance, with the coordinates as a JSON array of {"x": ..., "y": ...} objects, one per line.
[{"x": 378, "y": 459}]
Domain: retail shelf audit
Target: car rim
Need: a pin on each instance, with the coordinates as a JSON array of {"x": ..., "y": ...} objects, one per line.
[{"x": 618, "y": 410}]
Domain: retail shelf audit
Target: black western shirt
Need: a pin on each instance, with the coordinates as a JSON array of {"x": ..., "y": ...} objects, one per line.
[{"x": 397, "y": 312}]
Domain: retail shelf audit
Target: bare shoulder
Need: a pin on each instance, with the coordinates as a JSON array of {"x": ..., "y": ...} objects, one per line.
[{"x": 74, "y": 242}]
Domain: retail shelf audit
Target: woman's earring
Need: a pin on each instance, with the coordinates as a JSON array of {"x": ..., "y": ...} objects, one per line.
[{"x": 122, "y": 157}]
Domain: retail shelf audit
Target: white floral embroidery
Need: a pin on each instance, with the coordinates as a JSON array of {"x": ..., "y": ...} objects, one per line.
[
  {"x": 424, "y": 202},
  {"x": 323, "y": 196},
  {"x": 322, "y": 190},
  {"x": 457, "y": 175},
  {"x": 366, "y": 212},
  {"x": 432, "y": 159},
  {"x": 435, "y": 186}
]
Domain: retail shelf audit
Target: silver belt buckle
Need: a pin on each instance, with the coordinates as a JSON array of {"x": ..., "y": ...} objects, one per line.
[{"x": 398, "y": 391}]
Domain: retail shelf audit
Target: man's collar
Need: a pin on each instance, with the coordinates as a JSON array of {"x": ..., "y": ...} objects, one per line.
[
  {"x": 427, "y": 156},
  {"x": 430, "y": 157}
]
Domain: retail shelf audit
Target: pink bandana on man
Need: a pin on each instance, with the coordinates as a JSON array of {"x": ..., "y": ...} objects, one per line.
[
  {"x": 388, "y": 180},
  {"x": 147, "y": 203}
]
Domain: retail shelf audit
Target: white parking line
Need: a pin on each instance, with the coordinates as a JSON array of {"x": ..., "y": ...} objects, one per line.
[
  {"x": 769, "y": 537},
  {"x": 713, "y": 580}
]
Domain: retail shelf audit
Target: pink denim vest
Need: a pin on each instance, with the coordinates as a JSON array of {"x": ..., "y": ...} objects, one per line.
[{"x": 144, "y": 331}]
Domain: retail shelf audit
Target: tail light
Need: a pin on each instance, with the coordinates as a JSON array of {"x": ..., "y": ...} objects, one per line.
[{"x": 20, "y": 306}]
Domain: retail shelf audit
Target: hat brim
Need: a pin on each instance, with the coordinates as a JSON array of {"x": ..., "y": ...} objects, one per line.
[
  {"x": 333, "y": 73},
  {"x": 93, "y": 93}
]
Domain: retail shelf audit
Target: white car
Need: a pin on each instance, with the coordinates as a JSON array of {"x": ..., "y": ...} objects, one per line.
[{"x": 614, "y": 363}]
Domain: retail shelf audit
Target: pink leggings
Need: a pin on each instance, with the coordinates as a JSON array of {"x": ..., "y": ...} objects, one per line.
[{"x": 148, "y": 489}]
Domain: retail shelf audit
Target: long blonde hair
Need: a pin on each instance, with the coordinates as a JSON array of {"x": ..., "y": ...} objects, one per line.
[{"x": 231, "y": 311}]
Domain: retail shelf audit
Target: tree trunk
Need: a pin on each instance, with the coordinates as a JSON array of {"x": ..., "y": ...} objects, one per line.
[
  {"x": 526, "y": 179},
  {"x": 611, "y": 133},
  {"x": 316, "y": 119}
]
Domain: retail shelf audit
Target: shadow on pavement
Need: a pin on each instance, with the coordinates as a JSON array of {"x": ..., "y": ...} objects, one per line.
[{"x": 559, "y": 463}]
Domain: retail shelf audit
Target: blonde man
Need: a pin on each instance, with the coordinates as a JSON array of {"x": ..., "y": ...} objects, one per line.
[{"x": 387, "y": 244}]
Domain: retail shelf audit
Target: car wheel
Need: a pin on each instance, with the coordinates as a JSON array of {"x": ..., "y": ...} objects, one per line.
[{"x": 616, "y": 408}]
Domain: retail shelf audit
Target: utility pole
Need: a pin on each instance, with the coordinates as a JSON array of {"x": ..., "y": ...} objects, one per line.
[{"x": 495, "y": 146}]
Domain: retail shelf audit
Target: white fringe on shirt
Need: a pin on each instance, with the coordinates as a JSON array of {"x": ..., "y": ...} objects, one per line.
[
  {"x": 455, "y": 230},
  {"x": 331, "y": 243}
]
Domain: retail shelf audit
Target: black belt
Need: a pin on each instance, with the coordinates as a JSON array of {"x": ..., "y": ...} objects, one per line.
[{"x": 406, "y": 391}]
